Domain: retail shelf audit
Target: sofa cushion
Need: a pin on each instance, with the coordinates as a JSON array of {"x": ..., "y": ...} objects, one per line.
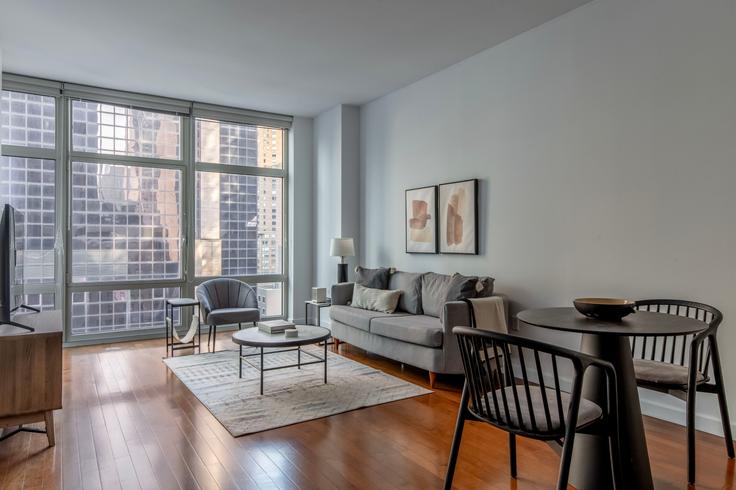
[
  {"x": 384, "y": 300},
  {"x": 438, "y": 289},
  {"x": 223, "y": 316},
  {"x": 434, "y": 292},
  {"x": 372, "y": 278},
  {"x": 415, "y": 329},
  {"x": 410, "y": 284},
  {"x": 357, "y": 317}
]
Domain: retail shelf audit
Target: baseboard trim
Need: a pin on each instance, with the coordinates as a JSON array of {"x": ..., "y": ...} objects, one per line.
[{"x": 704, "y": 422}]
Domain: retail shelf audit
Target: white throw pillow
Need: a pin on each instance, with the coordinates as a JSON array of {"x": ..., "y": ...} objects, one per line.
[{"x": 383, "y": 300}]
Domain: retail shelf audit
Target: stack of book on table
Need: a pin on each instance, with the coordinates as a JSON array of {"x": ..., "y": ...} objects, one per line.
[{"x": 275, "y": 326}]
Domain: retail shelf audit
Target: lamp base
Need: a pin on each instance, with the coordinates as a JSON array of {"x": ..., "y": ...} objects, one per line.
[{"x": 342, "y": 273}]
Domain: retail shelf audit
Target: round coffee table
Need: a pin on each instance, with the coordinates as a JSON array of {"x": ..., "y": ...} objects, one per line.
[
  {"x": 253, "y": 337},
  {"x": 610, "y": 341}
]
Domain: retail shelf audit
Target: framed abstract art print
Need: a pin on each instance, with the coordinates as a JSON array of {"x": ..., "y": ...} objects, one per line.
[{"x": 421, "y": 220}]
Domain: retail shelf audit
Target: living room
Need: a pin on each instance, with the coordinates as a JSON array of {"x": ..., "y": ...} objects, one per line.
[{"x": 355, "y": 245}]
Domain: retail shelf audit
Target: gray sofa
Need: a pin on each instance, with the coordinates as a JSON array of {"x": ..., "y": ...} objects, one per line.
[{"x": 419, "y": 333}]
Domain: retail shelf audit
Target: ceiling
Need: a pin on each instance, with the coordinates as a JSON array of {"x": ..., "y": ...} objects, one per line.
[{"x": 296, "y": 57}]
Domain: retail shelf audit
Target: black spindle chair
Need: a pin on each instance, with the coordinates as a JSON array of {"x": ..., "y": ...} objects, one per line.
[
  {"x": 536, "y": 407},
  {"x": 682, "y": 365}
]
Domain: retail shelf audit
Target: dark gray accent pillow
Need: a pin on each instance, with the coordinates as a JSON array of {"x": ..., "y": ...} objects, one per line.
[
  {"x": 485, "y": 287},
  {"x": 372, "y": 278},
  {"x": 461, "y": 287},
  {"x": 438, "y": 289},
  {"x": 411, "y": 285}
]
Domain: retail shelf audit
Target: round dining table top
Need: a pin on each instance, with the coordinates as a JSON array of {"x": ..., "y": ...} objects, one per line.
[{"x": 640, "y": 323}]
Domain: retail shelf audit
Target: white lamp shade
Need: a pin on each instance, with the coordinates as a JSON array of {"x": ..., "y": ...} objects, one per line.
[{"x": 342, "y": 247}]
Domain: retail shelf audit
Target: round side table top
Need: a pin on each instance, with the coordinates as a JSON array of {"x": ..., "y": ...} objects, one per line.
[
  {"x": 308, "y": 334},
  {"x": 636, "y": 324}
]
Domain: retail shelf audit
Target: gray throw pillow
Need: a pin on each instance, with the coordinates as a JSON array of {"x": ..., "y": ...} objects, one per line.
[
  {"x": 438, "y": 289},
  {"x": 434, "y": 292},
  {"x": 372, "y": 278},
  {"x": 410, "y": 284},
  {"x": 461, "y": 287},
  {"x": 485, "y": 287},
  {"x": 381, "y": 300}
]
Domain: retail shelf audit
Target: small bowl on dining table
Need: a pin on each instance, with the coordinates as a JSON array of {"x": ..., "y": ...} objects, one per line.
[{"x": 606, "y": 309}]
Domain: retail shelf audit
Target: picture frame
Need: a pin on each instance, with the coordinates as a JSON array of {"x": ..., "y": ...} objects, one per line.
[
  {"x": 458, "y": 217},
  {"x": 420, "y": 220}
]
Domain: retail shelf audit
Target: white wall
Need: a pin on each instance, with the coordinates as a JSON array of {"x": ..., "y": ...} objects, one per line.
[
  {"x": 300, "y": 212},
  {"x": 605, "y": 141},
  {"x": 336, "y": 207}
]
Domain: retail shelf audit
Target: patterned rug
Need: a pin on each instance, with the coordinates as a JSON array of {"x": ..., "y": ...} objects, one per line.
[{"x": 289, "y": 395}]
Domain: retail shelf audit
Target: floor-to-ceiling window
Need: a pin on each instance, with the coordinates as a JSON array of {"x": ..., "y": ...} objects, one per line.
[
  {"x": 28, "y": 181},
  {"x": 239, "y": 203},
  {"x": 111, "y": 185}
]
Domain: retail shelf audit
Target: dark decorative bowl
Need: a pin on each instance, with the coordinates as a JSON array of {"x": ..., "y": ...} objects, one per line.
[{"x": 607, "y": 309}]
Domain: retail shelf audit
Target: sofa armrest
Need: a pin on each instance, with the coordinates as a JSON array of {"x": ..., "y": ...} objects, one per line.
[
  {"x": 455, "y": 314},
  {"x": 342, "y": 293}
]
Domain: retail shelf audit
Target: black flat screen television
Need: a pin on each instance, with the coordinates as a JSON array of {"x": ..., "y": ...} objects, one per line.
[{"x": 11, "y": 264}]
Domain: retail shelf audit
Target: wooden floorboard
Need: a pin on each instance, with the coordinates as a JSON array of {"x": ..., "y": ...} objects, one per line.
[{"x": 129, "y": 423}]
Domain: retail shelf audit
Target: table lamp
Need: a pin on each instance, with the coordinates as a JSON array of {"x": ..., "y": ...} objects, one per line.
[{"x": 342, "y": 247}]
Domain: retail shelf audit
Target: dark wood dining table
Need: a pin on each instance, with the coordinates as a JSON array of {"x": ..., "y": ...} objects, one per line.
[{"x": 607, "y": 340}]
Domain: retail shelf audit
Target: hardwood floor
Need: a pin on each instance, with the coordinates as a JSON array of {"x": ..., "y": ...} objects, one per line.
[{"x": 128, "y": 422}]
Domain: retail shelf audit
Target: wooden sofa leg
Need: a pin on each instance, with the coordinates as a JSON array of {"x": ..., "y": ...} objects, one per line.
[
  {"x": 337, "y": 343},
  {"x": 432, "y": 379}
]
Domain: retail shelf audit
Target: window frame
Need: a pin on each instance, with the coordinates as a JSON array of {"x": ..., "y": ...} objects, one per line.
[
  {"x": 63, "y": 155},
  {"x": 46, "y": 89},
  {"x": 227, "y": 116}
]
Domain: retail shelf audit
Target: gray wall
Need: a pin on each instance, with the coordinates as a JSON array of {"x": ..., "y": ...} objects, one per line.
[
  {"x": 336, "y": 206},
  {"x": 605, "y": 141}
]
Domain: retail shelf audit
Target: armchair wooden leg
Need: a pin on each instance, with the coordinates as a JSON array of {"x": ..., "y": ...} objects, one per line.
[
  {"x": 432, "y": 379},
  {"x": 49, "y": 418},
  {"x": 337, "y": 343}
]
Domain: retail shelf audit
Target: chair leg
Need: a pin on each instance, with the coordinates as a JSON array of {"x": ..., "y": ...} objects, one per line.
[
  {"x": 690, "y": 423},
  {"x": 457, "y": 437},
  {"x": 615, "y": 458},
  {"x": 214, "y": 337},
  {"x": 209, "y": 337},
  {"x": 432, "y": 379},
  {"x": 566, "y": 459},
  {"x": 240, "y": 326},
  {"x": 512, "y": 454},
  {"x": 718, "y": 375}
]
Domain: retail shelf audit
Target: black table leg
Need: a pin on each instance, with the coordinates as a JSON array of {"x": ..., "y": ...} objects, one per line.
[
  {"x": 298, "y": 357},
  {"x": 262, "y": 370},
  {"x": 166, "y": 328},
  {"x": 591, "y": 460},
  {"x": 325, "y": 361},
  {"x": 240, "y": 365}
]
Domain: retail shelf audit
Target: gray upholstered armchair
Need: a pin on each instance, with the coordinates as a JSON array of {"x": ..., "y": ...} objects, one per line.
[{"x": 227, "y": 301}]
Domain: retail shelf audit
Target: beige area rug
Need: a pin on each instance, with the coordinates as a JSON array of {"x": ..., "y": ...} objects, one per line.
[{"x": 289, "y": 395}]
